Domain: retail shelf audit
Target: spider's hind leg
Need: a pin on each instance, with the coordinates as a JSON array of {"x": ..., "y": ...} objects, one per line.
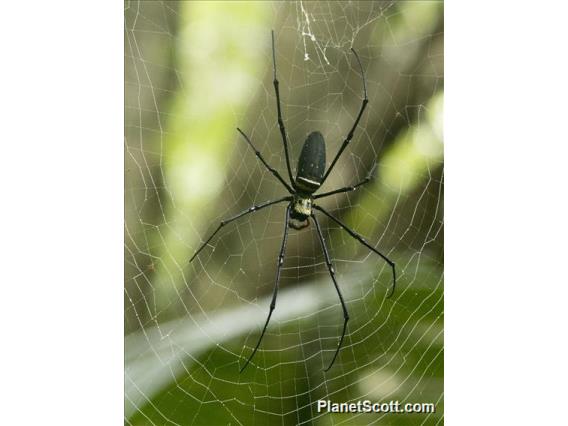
[{"x": 352, "y": 131}]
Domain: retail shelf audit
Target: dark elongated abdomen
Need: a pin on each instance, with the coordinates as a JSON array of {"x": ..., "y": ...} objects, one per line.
[{"x": 311, "y": 164}]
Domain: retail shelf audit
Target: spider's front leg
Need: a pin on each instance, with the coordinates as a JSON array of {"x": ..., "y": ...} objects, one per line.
[
  {"x": 364, "y": 242},
  {"x": 277, "y": 281},
  {"x": 331, "y": 270},
  {"x": 237, "y": 216}
]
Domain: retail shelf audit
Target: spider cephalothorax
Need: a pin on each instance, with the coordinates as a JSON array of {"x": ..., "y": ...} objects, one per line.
[
  {"x": 311, "y": 175},
  {"x": 301, "y": 210}
]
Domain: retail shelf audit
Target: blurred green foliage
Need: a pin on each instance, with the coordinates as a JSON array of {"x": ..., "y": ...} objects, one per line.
[
  {"x": 193, "y": 72},
  {"x": 406, "y": 334}
]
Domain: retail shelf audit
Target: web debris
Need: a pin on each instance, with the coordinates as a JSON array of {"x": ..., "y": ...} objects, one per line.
[{"x": 306, "y": 31}]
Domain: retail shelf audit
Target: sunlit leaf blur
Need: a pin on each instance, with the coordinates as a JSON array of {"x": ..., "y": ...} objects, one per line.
[{"x": 194, "y": 71}]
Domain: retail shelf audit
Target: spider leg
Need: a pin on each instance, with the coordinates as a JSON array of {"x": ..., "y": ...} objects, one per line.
[
  {"x": 280, "y": 121},
  {"x": 275, "y": 292},
  {"x": 348, "y": 188},
  {"x": 241, "y": 214},
  {"x": 259, "y": 155},
  {"x": 350, "y": 134},
  {"x": 332, "y": 274},
  {"x": 365, "y": 243}
]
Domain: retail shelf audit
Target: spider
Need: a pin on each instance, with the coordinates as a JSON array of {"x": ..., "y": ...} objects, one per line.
[{"x": 311, "y": 175}]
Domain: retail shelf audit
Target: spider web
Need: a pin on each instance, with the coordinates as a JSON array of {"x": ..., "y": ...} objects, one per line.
[{"x": 196, "y": 71}]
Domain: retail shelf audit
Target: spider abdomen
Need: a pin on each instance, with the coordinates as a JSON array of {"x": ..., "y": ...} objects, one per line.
[{"x": 311, "y": 164}]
